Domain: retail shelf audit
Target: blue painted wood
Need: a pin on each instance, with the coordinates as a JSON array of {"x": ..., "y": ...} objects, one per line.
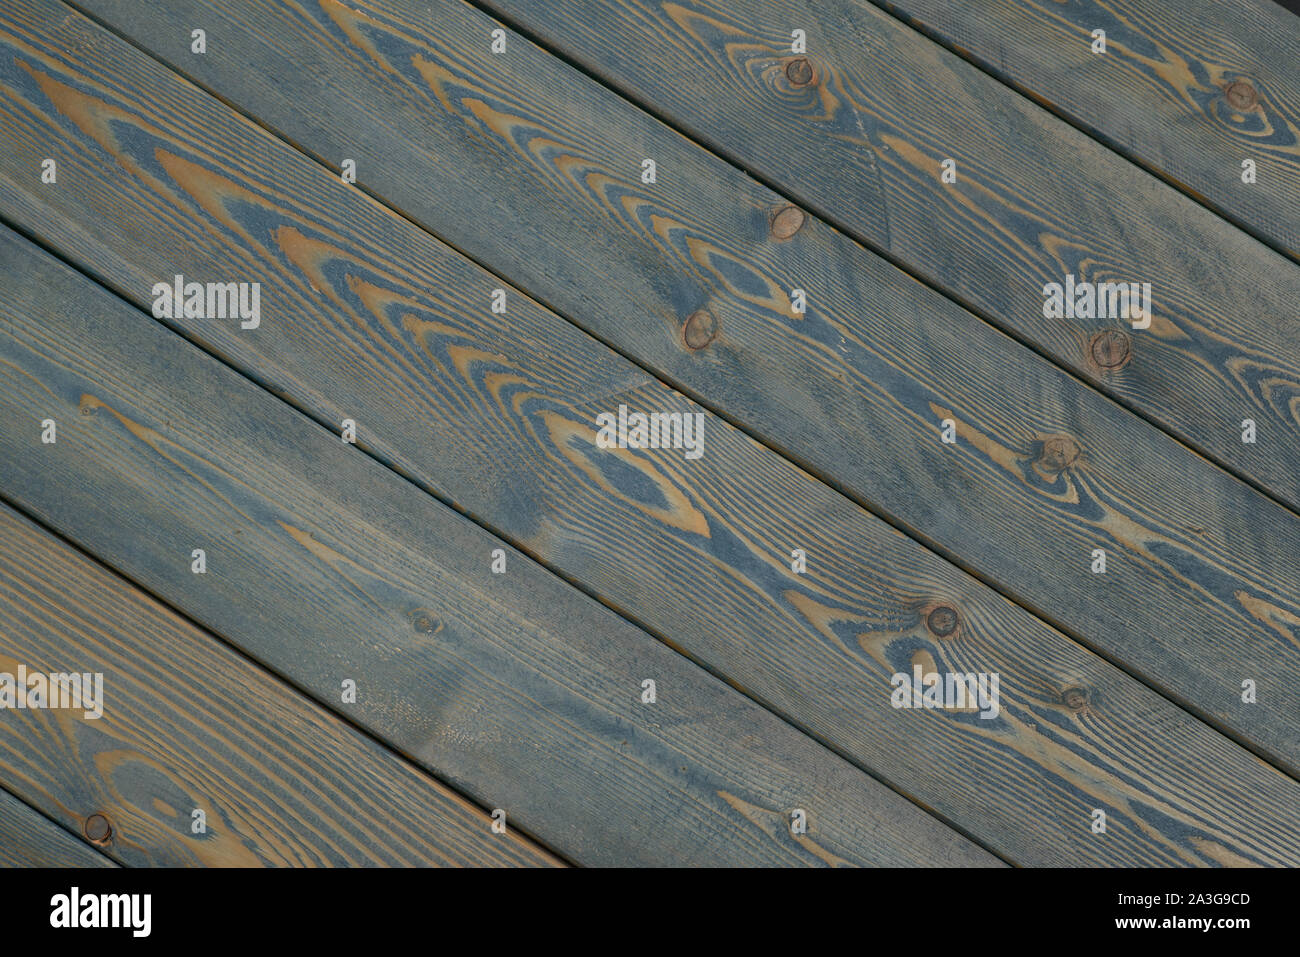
[
  {"x": 365, "y": 312},
  {"x": 188, "y": 725},
  {"x": 1202, "y": 589},
  {"x": 29, "y": 840},
  {"x": 1188, "y": 90},
  {"x": 863, "y": 141},
  {"x": 323, "y": 565}
]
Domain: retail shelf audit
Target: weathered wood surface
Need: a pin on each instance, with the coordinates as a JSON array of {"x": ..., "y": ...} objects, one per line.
[
  {"x": 326, "y": 567},
  {"x": 1188, "y": 89},
  {"x": 498, "y": 415},
  {"x": 188, "y": 724},
  {"x": 1202, "y": 589},
  {"x": 29, "y": 840},
  {"x": 862, "y": 145}
]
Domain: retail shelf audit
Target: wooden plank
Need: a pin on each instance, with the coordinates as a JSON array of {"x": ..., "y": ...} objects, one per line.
[
  {"x": 856, "y": 388},
  {"x": 29, "y": 840},
  {"x": 326, "y": 567},
  {"x": 500, "y": 415},
  {"x": 862, "y": 145},
  {"x": 189, "y": 725},
  {"x": 1188, "y": 90}
]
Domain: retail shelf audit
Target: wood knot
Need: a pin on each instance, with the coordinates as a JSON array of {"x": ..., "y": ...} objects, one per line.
[
  {"x": 1110, "y": 349},
  {"x": 425, "y": 622},
  {"x": 700, "y": 329},
  {"x": 1059, "y": 452},
  {"x": 98, "y": 830},
  {"x": 1241, "y": 95},
  {"x": 942, "y": 621},
  {"x": 1076, "y": 699},
  {"x": 799, "y": 71},
  {"x": 787, "y": 221}
]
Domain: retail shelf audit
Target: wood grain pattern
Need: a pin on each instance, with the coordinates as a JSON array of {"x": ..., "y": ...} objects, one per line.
[
  {"x": 325, "y": 566},
  {"x": 1202, "y": 589},
  {"x": 1035, "y": 199},
  {"x": 188, "y": 724},
  {"x": 29, "y": 840},
  {"x": 1189, "y": 89},
  {"x": 499, "y": 416}
]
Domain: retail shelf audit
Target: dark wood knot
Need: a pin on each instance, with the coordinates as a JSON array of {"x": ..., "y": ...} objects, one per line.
[
  {"x": 1111, "y": 349},
  {"x": 700, "y": 329},
  {"x": 1076, "y": 699},
  {"x": 799, "y": 71},
  {"x": 1059, "y": 453},
  {"x": 98, "y": 829},
  {"x": 1241, "y": 95},
  {"x": 942, "y": 621},
  {"x": 787, "y": 221},
  {"x": 425, "y": 623}
]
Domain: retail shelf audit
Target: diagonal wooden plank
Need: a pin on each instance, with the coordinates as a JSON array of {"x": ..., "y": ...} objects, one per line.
[
  {"x": 1189, "y": 90},
  {"x": 325, "y": 566},
  {"x": 862, "y": 144},
  {"x": 188, "y": 725},
  {"x": 498, "y": 414},
  {"x": 29, "y": 840},
  {"x": 1044, "y": 473}
]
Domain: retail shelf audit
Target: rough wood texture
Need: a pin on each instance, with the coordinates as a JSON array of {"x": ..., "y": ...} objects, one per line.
[
  {"x": 500, "y": 413},
  {"x": 1188, "y": 89},
  {"x": 188, "y": 724},
  {"x": 29, "y": 840},
  {"x": 861, "y": 144},
  {"x": 1202, "y": 590},
  {"x": 325, "y": 566}
]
